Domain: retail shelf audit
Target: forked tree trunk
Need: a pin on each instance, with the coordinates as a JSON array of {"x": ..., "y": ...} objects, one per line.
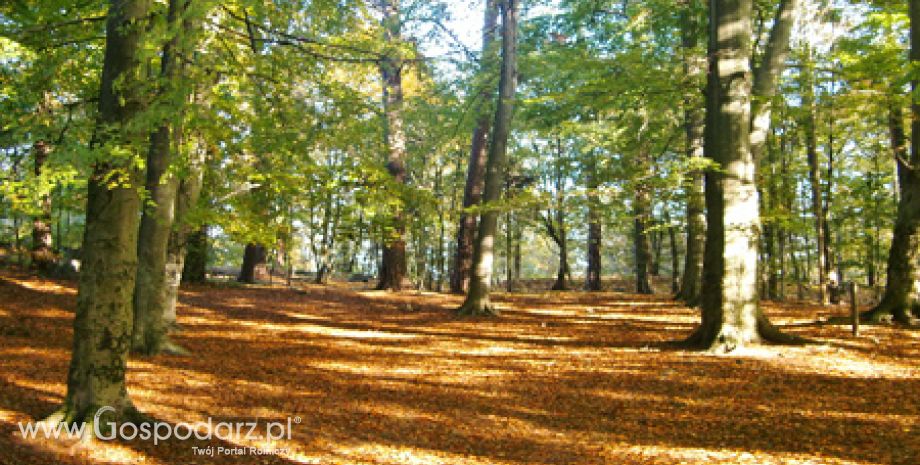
[
  {"x": 731, "y": 315},
  {"x": 102, "y": 325},
  {"x": 901, "y": 291},
  {"x": 477, "y": 298},
  {"x": 472, "y": 192},
  {"x": 393, "y": 268}
]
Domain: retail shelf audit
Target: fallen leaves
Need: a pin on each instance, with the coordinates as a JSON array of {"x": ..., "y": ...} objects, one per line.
[{"x": 567, "y": 378}]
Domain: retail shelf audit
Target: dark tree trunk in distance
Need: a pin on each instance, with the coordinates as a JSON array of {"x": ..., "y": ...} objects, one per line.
[{"x": 253, "y": 263}]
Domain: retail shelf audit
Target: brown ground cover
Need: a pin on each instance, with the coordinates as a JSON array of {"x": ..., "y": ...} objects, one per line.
[{"x": 560, "y": 378}]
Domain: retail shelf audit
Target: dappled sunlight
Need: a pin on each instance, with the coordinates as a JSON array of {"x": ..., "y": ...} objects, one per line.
[{"x": 396, "y": 378}]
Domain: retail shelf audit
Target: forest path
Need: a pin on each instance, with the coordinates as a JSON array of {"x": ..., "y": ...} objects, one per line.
[{"x": 560, "y": 378}]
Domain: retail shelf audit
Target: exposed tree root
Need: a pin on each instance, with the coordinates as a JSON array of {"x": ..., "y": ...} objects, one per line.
[
  {"x": 478, "y": 307},
  {"x": 724, "y": 341},
  {"x": 69, "y": 414}
]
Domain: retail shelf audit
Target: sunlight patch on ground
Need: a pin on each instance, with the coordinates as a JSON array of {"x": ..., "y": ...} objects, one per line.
[
  {"x": 723, "y": 456},
  {"x": 327, "y": 331}
]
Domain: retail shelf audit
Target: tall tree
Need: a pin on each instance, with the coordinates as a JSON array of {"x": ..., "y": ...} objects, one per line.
[
  {"x": 472, "y": 192},
  {"x": 694, "y": 69},
  {"x": 814, "y": 174},
  {"x": 642, "y": 215},
  {"x": 477, "y": 298},
  {"x": 593, "y": 274},
  {"x": 102, "y": 326},
  {"x": 901, "y": 297},
  {"x": 731, "y": 314},
  {"x": 150, "y": 292},
  {"x": 393, "y": 268}
]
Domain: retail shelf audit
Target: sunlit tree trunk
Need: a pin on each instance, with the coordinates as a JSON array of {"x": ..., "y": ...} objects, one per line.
[
  {"x": 731, "y": 316},
  {"x": 477, "y": 298},
  {"x": 102, "y": 325},
  {"x": 393, "y": 269},
  {"x": 472, "y": 192}
]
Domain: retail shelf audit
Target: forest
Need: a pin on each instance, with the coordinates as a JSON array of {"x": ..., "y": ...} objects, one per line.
[{"x": 459, "y": 232}]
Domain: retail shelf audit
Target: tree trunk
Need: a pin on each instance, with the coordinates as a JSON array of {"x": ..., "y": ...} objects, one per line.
[
  {"x": 42, "y": 240},
  {"x": 102, "y": 325},
  {"x": 187, "y": 251},
  {"x": 642, "y": 249},
  {"x": 195, "y": 266},
  {"x": 393, "y": 268},
  {"x": 253, "y": 263},
  {"x": 901, "y": 290},
  {"x": 814, "y": 176},
  {"x": 731, "y": 316},
  {"x": 593, "y": 275},
  {"x": 472, "y": 192},
  {"x": 477, "y": 298},
  {"x": 675, "y": 256},
  {"x": 694, "y": 68}
]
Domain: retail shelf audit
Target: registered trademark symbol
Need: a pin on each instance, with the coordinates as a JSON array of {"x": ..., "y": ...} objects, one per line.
[{"x": 297, "y": 420}]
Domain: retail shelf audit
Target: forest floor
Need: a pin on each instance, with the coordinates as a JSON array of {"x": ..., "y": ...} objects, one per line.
[{"x": 560, "y": 378}]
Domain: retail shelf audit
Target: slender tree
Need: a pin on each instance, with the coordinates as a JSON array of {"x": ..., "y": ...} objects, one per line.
[
  {"x": 694, "y": 69},
  {"x": 472, "y": 192},
  {"x": 477, "y": 298},
  {"x": 150, "y": 293}
]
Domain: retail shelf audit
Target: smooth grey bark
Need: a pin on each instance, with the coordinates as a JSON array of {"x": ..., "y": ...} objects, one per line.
[
  {"x": 731, "y": 315},
  {"x": 472, "y": 191},
  {"x": 393, "y": 268},
  {"x": 477, "y": 298},
  {"x": 102, "y": 325}
]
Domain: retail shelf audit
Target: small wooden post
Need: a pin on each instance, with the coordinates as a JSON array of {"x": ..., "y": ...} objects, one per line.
[{"x": 854, "y": 308}]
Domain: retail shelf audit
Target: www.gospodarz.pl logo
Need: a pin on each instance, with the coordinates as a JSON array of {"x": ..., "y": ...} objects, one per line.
[{"x": 158, "y": 431}]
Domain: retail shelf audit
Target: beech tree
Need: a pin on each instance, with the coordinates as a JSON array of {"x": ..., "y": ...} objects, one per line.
[
  {"x": 735, "y": 133},
  {"x": 102, "y": 325},
  {"x": 477, "y": 298}
]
